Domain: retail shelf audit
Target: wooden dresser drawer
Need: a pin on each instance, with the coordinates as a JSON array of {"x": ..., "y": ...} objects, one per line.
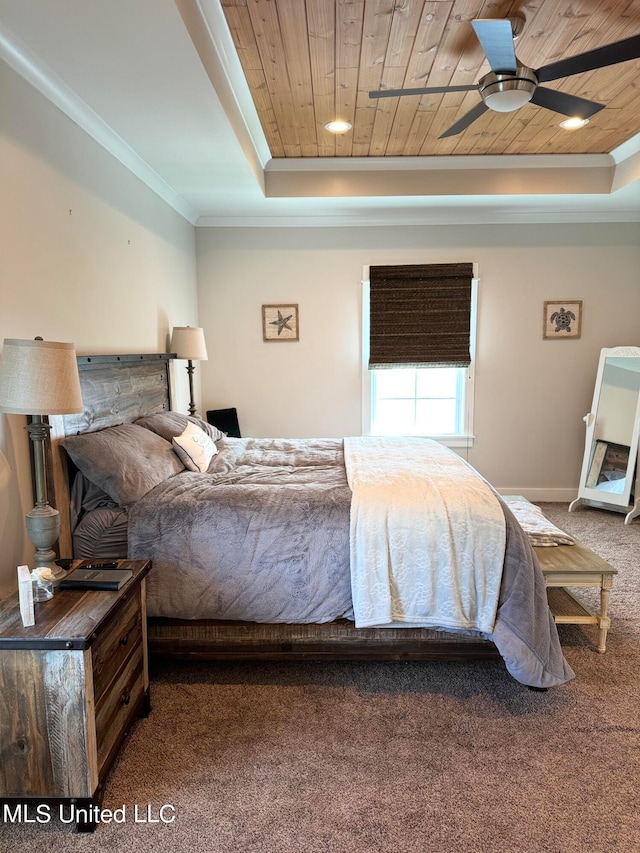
[
  {"x": 115, "y": 643},
  {"x": 119, "y": 704}
]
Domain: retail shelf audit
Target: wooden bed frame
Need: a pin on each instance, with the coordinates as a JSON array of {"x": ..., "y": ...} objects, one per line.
[{"x": 119, "y": 389}]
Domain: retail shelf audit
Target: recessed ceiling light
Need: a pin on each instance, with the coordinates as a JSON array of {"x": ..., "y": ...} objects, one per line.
[
  {"x": 338, "y": 126},
  {"x": 574, "y": 123}
]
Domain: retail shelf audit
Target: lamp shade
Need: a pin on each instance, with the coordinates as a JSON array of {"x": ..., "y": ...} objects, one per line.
[
  {"x": 188, "y": 342},
  {"x": 39, "y": 378}
]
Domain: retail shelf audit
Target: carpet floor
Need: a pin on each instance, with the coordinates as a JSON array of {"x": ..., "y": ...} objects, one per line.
[{"x": 388, "y": 757}]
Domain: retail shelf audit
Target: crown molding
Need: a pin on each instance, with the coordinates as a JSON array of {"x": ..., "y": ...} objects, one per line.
[{"x": 472, "y": 215}]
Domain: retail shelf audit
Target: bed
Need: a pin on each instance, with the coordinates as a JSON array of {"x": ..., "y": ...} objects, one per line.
[{"x": 265, "y": 548}]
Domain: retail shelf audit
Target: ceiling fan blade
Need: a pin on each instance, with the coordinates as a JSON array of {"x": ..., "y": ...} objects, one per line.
[
  {"x": 496, "y": 38},
  {"x": 601, "y": 57},
  {"x": 430, "y": 90},
  {"x": 562, "y": 102},
  {"x": 464, "y": 122}
]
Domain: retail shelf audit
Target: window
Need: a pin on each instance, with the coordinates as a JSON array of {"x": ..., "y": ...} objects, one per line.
[
  {"x": 430, "y": 391},
  {"x": 418, "y": 401}
]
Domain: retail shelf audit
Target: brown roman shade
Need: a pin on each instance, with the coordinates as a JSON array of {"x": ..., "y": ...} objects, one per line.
[{"x": 420, "y": 315}]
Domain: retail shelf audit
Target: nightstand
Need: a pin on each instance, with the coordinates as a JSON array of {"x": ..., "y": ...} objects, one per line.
[{"x": 70, "y": 688}]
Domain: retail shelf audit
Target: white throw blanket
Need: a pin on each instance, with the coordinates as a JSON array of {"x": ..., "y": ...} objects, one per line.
[{"x": 428, "y": 536}]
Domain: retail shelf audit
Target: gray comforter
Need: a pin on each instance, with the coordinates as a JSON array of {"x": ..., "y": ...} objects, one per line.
[{"x": 263, "y": 536}]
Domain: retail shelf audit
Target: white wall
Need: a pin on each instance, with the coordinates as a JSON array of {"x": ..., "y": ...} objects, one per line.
[
  {"x": 88, "y": 254},
  {"x": 531, "y": 394}
]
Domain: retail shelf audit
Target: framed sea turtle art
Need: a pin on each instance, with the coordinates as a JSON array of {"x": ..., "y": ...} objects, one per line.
[{"x": 562, "y": 319}]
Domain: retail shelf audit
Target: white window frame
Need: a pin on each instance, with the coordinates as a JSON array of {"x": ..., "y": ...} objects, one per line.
[{"x": 464, "y": 439}]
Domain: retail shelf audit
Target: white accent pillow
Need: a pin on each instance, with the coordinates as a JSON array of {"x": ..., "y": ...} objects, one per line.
[{"x": 194, "y": 448}]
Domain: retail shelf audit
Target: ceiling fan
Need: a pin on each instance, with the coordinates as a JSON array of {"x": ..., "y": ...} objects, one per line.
[{"x": 510, "y": 85}]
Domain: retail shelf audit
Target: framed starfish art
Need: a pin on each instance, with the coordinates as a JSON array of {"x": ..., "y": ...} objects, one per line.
[{"x": 280, "y": 323}]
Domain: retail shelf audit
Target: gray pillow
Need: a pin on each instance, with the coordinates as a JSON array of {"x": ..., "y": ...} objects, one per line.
[
  {"x": 125, "y": 461},
  {"x": 171, "y": 424}
]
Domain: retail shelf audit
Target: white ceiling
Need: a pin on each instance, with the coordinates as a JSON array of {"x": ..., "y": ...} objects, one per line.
[{"x": 158, "y": 84}]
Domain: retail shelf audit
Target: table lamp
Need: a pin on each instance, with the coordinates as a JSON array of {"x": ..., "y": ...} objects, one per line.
[
  {"x": 39, "y": 378},
  {"x": 188, "y": 343}
]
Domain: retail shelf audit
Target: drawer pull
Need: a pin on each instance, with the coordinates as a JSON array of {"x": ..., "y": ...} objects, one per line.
[
  {"x": 126, "y": 698},
  {"x": 124, "y": 640}
]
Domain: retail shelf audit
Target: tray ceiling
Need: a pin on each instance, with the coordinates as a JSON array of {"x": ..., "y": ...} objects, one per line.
[{"x": 219, "y": 106}]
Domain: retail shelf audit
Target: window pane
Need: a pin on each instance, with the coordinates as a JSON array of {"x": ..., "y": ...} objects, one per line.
[
  {"x": 436, "y": 417},
  {"x": 437, "y": 381},
  {"x": 394, "y": 417},
  {"x": 396, "y": 383}
]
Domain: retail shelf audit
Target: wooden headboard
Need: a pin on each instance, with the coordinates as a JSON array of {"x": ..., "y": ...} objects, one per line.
[{"x": 116, "y": 389}]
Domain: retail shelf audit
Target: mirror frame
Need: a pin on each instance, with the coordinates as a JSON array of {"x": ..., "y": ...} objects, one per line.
[{"x": 596, "y": 497}]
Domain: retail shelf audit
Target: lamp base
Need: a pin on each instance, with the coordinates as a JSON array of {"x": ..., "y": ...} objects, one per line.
[
  {"x": 192, "y": 405},
  {"x": 43, "y": 527}
]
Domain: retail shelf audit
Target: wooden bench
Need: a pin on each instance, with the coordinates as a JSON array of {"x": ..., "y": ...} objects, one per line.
[{"x": 577, "y": 566}]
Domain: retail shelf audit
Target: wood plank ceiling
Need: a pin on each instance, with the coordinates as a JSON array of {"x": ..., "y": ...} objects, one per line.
[{"x": 310, "y": 61}]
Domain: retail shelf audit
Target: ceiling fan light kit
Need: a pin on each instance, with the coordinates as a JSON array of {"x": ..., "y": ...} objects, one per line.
[
  {"x": 505, "y": 93},
  {"x": 510, "y": 85}
]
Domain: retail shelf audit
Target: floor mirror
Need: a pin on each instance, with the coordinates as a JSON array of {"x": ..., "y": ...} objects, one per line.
[{"x": 609, "y": 477}]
